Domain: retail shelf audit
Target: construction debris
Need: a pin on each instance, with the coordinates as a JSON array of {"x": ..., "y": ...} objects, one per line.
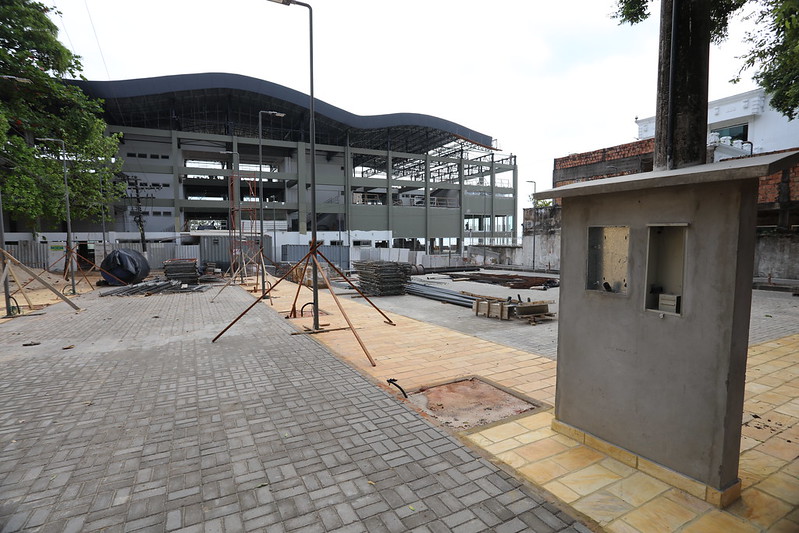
[
  {"x": 382, "y": 278},
  {"x": 148, "y": 288},
  {"x": 533, "y": 308},
  {"x": 440, "y": 294},
  {"x": 533, "y": 312},
  {"x": 511, "y": 281}
]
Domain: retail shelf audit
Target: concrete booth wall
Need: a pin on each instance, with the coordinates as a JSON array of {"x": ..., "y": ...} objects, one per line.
[
  {"x": 656, "y": 273},
  {"x": 653, "y": 380}
]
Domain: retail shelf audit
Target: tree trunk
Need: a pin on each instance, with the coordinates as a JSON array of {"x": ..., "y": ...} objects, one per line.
[{"x": 681, "y": 121}]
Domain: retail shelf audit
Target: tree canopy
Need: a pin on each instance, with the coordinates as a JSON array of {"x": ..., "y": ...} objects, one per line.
[
  {"x": 36, "y": 103},
  {"x": 774, "y": 52}
]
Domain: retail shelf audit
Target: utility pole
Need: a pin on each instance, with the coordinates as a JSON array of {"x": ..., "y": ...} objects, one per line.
[
  {"x": 684, "y": 58},
  {"x": 138, "y": 217}
]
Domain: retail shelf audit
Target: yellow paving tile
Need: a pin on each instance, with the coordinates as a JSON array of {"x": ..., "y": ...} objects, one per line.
[
  {"x": 589, "y": 479},
  {"x": 673, "y": 478},
  {"x": 543, "y": 471},
  {"x": 756, "y": 388},
  {"x": 784, "y": 526},
  {"x": 772, "y": 398},
  {"x": 755, "y": 466},
  {"x": 561, "y": 491},
  {"x": 721, "y": 522},
  {"x": 512, "y": 459},
  {"x": 620, "y": 526},
  {"x": 540, "y": 449},
  {"x": 479, "y": 440},
  {"x": 566, "y": 441},
  {"x": 780, "y": 448},
  {"x": 638, "y": 489},
  {"x": 503, "y": 431},
  {"x": 659, "y": 516},
  {"x": 790, "y": 408},
  {"x": 536, "y": 435},
  {"x": 602, "y": 507},
  {"x": 578, "y": 457},
  {"x": 760, "y": 508},
  {"x": 536, "y": 421},
  {"x": 747, "y": 443},
  {"x": 689, "y": 502},
  {"x": 783, "y": 486},
  {"x": 618, "y": 467}
]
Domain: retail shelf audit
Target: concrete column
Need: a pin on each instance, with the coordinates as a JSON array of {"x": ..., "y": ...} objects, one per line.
[
  {"x": 515, "y": 222},
  {"x": 389, "y": 199},
  {"x": 177, "y": 162},
  {"x": 461, "y": 197},
  {"x": 347, "y": 187},
  {"x": 235, "y": 162},
  {"x": 493, "y": 193},
  {"x": 427, "y": 201}
]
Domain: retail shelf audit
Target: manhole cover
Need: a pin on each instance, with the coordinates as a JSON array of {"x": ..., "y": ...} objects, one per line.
[{"x": 469, "y": 403}]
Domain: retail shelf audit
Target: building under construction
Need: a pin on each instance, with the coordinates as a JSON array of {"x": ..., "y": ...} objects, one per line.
[{"x": 219, "y": 153}]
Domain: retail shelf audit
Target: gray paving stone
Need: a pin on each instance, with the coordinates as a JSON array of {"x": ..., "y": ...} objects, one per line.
[{"x": 147, "y": 425}]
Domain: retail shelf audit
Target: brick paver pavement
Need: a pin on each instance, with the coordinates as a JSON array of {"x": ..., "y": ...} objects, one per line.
[{"x": 126, "y": 418}]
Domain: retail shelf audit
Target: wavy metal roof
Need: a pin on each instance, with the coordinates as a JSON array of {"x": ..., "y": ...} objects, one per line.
[{"x": 229, "y": 104}]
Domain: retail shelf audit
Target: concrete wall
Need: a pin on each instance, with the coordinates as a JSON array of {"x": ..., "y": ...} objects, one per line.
[
  {"x": 777, "y": 255},
  {"x": 668, "y": 387}
]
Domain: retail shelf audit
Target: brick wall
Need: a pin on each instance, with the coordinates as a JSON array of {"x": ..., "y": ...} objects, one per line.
[
  {"x": 631, "y": 158},
  {"x": 621, "y": 151},
  {"x": 621, "y": 160}
]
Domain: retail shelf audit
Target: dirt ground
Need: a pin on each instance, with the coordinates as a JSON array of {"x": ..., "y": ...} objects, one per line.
[{"x": 30, "y": 295}]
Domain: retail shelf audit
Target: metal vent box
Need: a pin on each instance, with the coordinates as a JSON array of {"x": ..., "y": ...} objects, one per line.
[{"x": 669, "y": 303}]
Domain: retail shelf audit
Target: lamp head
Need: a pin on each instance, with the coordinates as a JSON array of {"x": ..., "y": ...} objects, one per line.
[{"x": 284, "y": 2}]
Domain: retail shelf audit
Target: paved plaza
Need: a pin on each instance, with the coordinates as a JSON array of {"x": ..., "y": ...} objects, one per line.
[{"x": 125, "y": 417}]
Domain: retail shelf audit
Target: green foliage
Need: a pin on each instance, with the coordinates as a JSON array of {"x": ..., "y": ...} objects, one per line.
[
  {"x": 36, "y": 103},
  {"x": 635, "y": 11},
  {"x": 774, "y": 52},
  {"x": 539, "y": 203}
]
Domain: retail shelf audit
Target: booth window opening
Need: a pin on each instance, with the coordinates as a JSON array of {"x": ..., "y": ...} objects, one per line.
[
  {"x": 608, "y": 259},
  {"x": 666, "y": 268}
]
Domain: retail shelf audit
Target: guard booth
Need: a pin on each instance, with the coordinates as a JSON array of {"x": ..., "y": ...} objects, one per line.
[{"x": 656, "y": 286}]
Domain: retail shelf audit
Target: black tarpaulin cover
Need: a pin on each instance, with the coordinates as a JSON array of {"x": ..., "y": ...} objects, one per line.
[{"x": 128, "y": 265}]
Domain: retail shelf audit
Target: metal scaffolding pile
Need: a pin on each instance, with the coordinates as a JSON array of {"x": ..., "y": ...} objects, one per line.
[
  {"x": 182, "y": 270},
  {"x": 440, "y": 294},
  {"x": 382, "y": 278},
  {"x": 147, "y": 288}
]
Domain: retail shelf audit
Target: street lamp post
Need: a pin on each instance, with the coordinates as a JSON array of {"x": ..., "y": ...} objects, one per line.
[
  {"x": 312, "y": 128},
  {"x": 534, "y": 220},
  {"x": 261, "y": 188},
  {"x": 66, "y": 199}
]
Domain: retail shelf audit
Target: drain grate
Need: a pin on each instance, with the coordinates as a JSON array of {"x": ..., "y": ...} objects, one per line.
[{"x": 471, "y": 402}]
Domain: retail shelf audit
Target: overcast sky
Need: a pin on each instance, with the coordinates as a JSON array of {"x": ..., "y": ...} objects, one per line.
[{"x": 543, "y": 78}]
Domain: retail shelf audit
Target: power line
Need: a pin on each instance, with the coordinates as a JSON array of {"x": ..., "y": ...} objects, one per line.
[
  {"x": 64, "y": 27},
  {"x": 97, "y": 39}
]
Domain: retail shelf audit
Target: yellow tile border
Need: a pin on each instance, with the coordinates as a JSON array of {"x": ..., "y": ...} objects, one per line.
[{"x": 720, "y": 499}]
